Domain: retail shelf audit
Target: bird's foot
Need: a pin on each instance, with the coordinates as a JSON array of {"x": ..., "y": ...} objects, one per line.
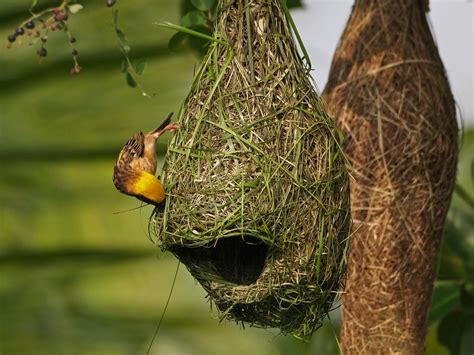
[{"x": 171, "y": 127}]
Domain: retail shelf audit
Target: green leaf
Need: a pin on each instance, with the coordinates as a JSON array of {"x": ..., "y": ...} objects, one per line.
[
  {"x": 450, "y": 331},
  {"x": 130, "y": 80},
  {"x": 467, "y": 295},
  {"x": 193, "y": 18},
  {"x": 445, "y": 298},
  {"x": 123, "y": 41},
  {"x": 203, "y": 5},
  {"x": 467, "y": 338},
  {"x": 75, "y": 8},
  {"x": 177, "y": 41},
  {"x": 140, "y": 67},
  {"x": 456, "y": 253},
  {"x": 464, "y": 195},
  {"x": 294, "y": 4}
]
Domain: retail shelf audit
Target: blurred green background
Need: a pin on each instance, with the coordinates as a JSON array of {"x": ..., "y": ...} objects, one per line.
[{"x": 75, "y": 278}]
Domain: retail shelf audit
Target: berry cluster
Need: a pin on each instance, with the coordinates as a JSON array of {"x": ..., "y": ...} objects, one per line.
[
  {"x": 28, "y": 29},
  {"x": 39, "y": 26}
]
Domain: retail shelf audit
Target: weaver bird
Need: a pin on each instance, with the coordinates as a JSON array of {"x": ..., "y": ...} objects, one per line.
[{"x": 134, "y": 172}]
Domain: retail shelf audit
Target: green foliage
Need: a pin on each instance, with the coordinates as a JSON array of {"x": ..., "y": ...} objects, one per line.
[
  {"x": 130, "y": 71},
  {"x": 445, "y": 298},
  {"x": 294, "y": 3},
  {"x": 140, "y": 67},
  {"x": 199, "y": 15},
  {"x": 452, "y": 308},
  {"x": 193, "y": 18},
  {"x": 204, "y": 5}
]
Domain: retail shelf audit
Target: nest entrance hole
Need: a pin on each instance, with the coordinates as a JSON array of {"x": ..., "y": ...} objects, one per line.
[{"x": 239, "y": 260}]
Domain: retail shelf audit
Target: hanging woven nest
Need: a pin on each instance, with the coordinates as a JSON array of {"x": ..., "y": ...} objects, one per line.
[
  {"x": 258, "y": 205},
  {"x": 389, "y": 93}
]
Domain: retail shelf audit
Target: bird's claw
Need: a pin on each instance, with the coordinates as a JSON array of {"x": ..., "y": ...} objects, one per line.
[{"x": 172, "y": 127}]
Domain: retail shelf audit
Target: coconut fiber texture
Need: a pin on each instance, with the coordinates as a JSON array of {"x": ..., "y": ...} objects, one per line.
[
  {"x": 258, "y": 205},
  {"x": 389, "y": 93}
]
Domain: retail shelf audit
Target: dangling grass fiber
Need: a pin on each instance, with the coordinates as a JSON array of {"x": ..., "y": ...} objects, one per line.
[
  {"x": 389, "y": 93},
  {"x": 258, "y": 194}
]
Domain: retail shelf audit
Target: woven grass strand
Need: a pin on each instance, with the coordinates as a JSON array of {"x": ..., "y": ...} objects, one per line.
[
  {"x": 389, "y": 93},
  {"x": 258, "y": 206}
]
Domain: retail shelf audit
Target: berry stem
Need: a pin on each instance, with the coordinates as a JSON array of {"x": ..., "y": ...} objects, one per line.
[{"x": 37, "y": 15}]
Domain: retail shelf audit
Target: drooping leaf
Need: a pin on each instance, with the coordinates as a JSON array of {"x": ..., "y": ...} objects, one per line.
[
  {"x": 193, "y": 18},
  {"x": 445, "y": 298},
  {"x": 130, "y": 80},
  {"x": 203, "y": 5},
  {"x": 140, "y": 67}
]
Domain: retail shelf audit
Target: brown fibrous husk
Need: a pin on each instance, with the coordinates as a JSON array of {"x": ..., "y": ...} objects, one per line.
[
  {"x": 389, "y": 93},
  {"x": 258, "y": 205}
]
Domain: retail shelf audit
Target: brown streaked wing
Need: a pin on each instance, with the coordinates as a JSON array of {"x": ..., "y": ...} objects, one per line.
[
  {"x": 133, "y": 149},
  {"x": 123, "y": 178}
]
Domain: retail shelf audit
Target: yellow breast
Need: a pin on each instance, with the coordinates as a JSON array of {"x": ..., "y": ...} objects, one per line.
[{"x": 149, "y": 187}]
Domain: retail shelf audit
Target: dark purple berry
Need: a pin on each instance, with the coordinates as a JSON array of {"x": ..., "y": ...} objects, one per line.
[
  {"x": 42, "y": 52},
  {"x": 74, "y": 52},
  {"x": 44, "y": 39},
  {"x": 11, "y": 38},
  {"x": 20, "y": 31},
  {"x": 110, "y": 3},
  {"x": 72, "y": 40},
  {"x": 30, "y": 25}
]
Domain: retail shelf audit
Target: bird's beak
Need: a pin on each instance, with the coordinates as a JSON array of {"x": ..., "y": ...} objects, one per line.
[{"x": 163, "y": 124}]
